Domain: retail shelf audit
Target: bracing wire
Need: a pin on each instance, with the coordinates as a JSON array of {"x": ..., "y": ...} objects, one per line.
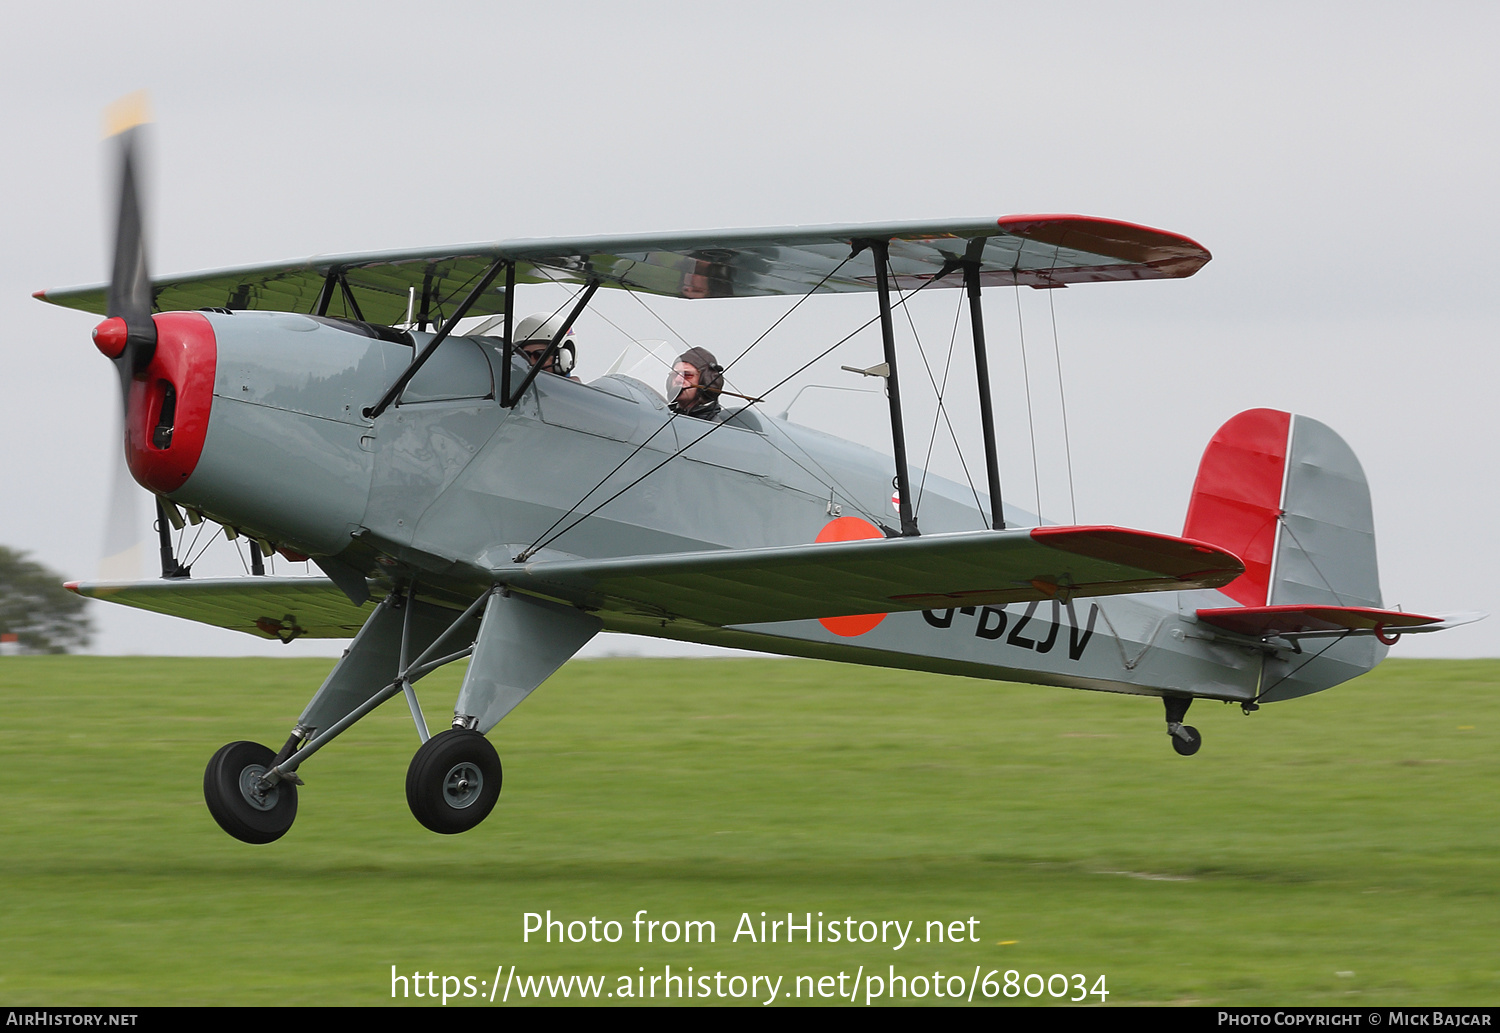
[
  {"x": 782, "y": 318},
  {"x": 653, "y": 313},
  {"x": 1303, "y": 664},
  {"x": 189, "y": 550},
  {"x": 439, "y": 302},
  {"x": 821, "y": 474},
  {"x": 194, "y": 558},
  {"x": 932, "y": 438},
  {"x": 941, "y": 409},
  {"x": 1282, "y": 520},
  {"x": 543, "y": 539},
  {"x": 571, "y": 298},
  {"x": 672, "y": 330},
  {"x": 598, "y": 314},
  {"x": 547, "y": 537},
  {"x": 1030, "y": 419},
  {"x": 1063, "y": 399}
]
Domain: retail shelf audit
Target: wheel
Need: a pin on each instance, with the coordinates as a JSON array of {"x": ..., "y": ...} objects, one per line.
[
  {"x": 453, "y": 781},
  {"x": 231, "y": 788},
  {"x": 1189, "y": 746}
]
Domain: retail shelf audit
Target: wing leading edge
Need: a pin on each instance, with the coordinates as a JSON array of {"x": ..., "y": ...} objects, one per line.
[{"x": 1034, "y": 250}]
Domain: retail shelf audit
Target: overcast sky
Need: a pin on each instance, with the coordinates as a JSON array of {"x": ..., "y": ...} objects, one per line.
[{"x": 1338, "y": 160}]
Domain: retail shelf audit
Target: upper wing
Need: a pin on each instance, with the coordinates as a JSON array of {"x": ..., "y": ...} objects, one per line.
[
  {"x": 751, "y": 586},
  {"x": 1035, "y": 250},
  {"x": 270, "y": 607}
]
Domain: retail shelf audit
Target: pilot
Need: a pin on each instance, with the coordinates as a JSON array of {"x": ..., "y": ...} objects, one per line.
[
  {"x": 694, "y": 384},
  {"x": 535, "y": 333}
]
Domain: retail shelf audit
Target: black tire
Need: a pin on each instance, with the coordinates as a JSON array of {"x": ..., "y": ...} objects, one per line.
[
  {"x": 230, "y": 791},
  {"x": 1187, "y": 747},
  {"x": 453, "y": 781}
]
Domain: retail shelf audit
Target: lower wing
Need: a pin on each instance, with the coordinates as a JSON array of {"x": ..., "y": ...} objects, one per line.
[
  {"x": 749, "y": 586},
  {"x": 270, "y": 607}
]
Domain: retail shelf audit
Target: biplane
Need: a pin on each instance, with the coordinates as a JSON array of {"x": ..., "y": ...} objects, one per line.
[{"x": 463, "y": 500}]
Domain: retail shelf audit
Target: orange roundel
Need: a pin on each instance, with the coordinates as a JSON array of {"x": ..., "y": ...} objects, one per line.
[{"x": 849, "y": 529}]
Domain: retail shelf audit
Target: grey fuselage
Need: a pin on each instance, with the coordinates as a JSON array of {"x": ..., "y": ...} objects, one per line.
[{"x": 448, "y": 487}]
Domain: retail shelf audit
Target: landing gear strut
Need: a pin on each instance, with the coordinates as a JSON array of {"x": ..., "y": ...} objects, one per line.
[
  {"x": 1185, "y": 738},
  {"x": 454, "y": 779},
  {"x": 239, "y": 798}
]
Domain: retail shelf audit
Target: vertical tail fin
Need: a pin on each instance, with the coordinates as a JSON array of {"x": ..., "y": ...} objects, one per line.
[{"x": 1288, "y": 496}]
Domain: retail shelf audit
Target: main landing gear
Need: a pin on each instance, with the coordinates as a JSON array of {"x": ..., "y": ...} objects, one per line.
[
  {"x": 451, "y": 786},
  {"x": 243, "y": 803},
  {"x": 453, "y": 781},
  {"x": 1185, "y": 738}
]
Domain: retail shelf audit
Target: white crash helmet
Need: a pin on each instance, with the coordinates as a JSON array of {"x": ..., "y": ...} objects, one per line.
[{"x": 543, "y": 326}]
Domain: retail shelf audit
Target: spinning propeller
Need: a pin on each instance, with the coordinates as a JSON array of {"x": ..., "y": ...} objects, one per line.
[
  {"x": 128, "y": 336},
  {"x": 166, "y": 364}
]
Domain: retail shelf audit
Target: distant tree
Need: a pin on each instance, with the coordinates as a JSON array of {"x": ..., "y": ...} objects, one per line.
[{"x": 34, "y": 606}]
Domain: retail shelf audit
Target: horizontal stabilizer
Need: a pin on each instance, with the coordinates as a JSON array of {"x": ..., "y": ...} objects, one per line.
[
  {"x": 751, "y": 586},
  {"x": 269, "y": 607},
  {"x": 1325, "y": 621}
]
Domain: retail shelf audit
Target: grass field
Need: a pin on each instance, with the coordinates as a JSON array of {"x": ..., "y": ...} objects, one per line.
[{"x": 1341, "y": 849}]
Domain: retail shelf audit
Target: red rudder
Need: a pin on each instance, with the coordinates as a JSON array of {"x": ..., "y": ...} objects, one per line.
[{"x": 1237, "y": 497}]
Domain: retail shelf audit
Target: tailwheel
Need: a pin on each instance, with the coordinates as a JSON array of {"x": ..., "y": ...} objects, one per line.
[
  {"x": 240, "y": 801},
  {"x": 453, "y": 781},
  {"x": 1186, "y": 740}
]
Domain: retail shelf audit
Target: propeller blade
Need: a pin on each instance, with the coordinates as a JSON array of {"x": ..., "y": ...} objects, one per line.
[
  {"x": 129, "y": 298},
  {"x": 124, "y": 530}
]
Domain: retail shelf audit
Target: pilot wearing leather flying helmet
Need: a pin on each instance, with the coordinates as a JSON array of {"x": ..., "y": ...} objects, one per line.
[
  {"x": 535, "y": 333},
  {"x": 694, "y": 384}
]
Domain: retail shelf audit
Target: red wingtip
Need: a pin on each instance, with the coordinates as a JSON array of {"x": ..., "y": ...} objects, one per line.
[
  {"x": 39, "y": 295},
  {"x": 71, "y": 586},
  {"x": 1125, "y": 241}
]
